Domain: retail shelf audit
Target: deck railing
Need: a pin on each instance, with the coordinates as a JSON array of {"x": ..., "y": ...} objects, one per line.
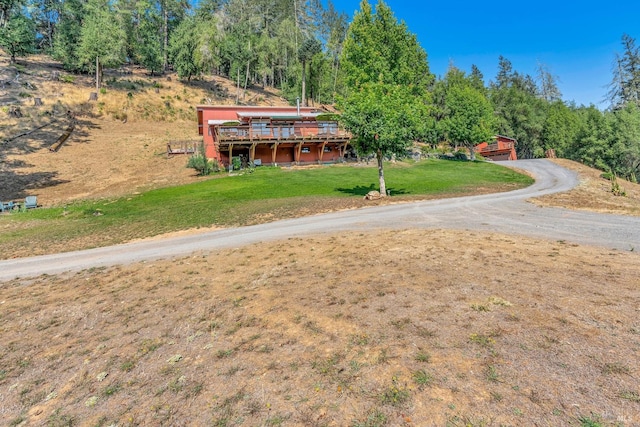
[
  {"x": 279, "y": 133},
  {"x": 498, "y": 146}
]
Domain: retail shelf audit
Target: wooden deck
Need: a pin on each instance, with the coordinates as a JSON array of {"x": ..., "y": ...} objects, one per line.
[
  {"x": 181, "y": 147},
  {"x": 294, "y": 134}
]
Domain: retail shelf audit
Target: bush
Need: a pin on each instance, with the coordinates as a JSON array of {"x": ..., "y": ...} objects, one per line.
[
  {"x": 236, "y": 163},
  {"x": 460, "y": 155},
  {"x": 199, "y": 162},
  {"x": 607, "y": 175}
]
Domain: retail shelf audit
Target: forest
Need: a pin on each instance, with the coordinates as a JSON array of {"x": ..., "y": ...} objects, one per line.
[{"x": 302, "y": 48}]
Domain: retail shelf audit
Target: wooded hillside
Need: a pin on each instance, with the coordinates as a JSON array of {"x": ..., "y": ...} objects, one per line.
[{"x": 297, "y": 47}]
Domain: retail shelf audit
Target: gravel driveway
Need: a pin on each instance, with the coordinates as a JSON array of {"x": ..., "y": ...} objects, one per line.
[{"x": 504, "y": 212}]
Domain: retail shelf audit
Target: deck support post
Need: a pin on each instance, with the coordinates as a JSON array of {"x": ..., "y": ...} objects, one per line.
[
  {"x": 252, "y": 154},
  {"x": 297, "y": 152},
  {"x": 321, "y": 152},
  {"x": 230, "y": 158},
  {"x": 274, "y": 150}
]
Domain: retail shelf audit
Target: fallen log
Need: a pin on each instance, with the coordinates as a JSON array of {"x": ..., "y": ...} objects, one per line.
[
  {"x": 29, "y": 132},
  {"x": 56, "y": 145}
]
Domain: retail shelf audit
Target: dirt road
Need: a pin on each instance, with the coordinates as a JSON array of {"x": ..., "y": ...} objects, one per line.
[{"x": 505, "y": 212}]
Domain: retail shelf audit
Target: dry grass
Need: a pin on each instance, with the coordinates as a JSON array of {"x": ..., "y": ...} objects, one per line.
[
  {"x": 380, "y": 328},
  {"x": 594, "y": 193}
]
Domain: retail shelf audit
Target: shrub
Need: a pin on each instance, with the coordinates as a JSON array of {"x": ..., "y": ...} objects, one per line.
[
  {"x": 199, "y": 162},
  {"x": 67, "y": 78},
  {"x": 460, "y": 155}
]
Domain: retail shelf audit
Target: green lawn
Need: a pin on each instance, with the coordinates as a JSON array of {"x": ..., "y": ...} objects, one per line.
[{"x": 267, "y": 194}]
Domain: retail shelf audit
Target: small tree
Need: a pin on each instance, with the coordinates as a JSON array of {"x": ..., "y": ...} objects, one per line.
[
  {"x": 384, "y": 119},
  {"x": 18, "y": 37},
  {"x": 200, "y": 163},
  {"x": 387, "y": 77}
]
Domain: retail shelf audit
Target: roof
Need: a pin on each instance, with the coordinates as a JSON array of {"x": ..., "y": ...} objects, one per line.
[
  {"x": 275, "y": 114},
  {"x": 506, "y": 137},
  {"x": 222, "y": 122}
]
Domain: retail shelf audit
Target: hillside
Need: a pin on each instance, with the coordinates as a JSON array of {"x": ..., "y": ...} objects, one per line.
[{"x": 119, "y": 142}]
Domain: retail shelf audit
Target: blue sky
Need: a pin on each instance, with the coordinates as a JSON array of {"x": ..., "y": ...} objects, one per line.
[{"x": 576, "y": 41}]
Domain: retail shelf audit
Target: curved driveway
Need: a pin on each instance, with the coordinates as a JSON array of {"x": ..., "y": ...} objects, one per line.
[{"x": 503, "y": 212}]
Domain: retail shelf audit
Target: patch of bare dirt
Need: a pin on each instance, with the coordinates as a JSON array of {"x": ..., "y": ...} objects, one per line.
[{"x": 383, "y": 328}]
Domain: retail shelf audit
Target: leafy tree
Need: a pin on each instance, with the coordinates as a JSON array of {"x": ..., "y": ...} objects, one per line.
[
  {"x": 6, "y": 7},
  {"x": 560, "y": 128},
  {"x": 592, "y": 146},
  {"x": 519, "y": 110},
  {"x": 470, "y": 117},
  {"x": 625, "y": 145},
  {"x": 207, "y": 54},
  {"x": 386, "y": 75},
  {"x": 18, "y": 36},
  {"x": 477, "y": 79},
  {"x": 45, "y": 14},
  {"x": 384, "y": 120},
  {"x": 172, "y": 12}
]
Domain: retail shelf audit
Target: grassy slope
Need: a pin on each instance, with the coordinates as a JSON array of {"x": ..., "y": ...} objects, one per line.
[{"x": 267, "y": 194}]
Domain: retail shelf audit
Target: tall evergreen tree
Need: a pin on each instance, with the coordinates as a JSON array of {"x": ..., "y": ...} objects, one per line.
[
  {"x": 547, "y": 84},
  {"x": 68, "y": 33},
  {"x": 18, "y": 36},
  {"x": 103, "y": 36},
  {"x": 625, "y": 86},
  {"x": 183, "y": 45},
  {"x": 307, "y": 51}
]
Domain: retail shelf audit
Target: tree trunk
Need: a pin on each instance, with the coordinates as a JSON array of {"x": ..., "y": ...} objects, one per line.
[
  {"x": 165, "y": 35},
  {"x": 238, "y": 89},
  {"x": 472, "y": 152},
  {"x": 246, "y": 80},
  {"x": 304, "y": 84},
  {"x": 383, "y": 186}
]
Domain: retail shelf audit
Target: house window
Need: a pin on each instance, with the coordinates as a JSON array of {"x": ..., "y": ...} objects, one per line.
[
  {"x": 306, "y": 150},
  {"x": 327, "y": 149}
]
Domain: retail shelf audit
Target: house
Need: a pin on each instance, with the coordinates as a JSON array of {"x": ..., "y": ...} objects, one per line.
[
  {"x": 271, "y": 135},
  {"x": 504, "y": 148}
]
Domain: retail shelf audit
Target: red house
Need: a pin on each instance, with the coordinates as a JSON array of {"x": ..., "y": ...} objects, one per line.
[
  {"x": 504, "y": 148},
  {"x": 271, "y": 135}
]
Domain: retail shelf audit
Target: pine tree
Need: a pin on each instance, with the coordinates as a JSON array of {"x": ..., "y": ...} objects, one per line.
[
  {"x": 18, "y": 36},
  {"x": 625, "y": 86}
]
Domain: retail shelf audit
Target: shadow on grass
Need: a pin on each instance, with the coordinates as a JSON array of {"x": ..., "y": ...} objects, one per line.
[{"x": 361, "y": 190}]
